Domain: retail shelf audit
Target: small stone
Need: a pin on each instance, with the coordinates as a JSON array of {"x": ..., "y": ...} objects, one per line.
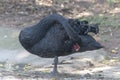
[
  {"x": 88, "y": 75},
  {"x": 90, "y": 63}
]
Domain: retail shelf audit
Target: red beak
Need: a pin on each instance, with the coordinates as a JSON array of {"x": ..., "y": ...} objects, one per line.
[{"x": 76, "y": 47}]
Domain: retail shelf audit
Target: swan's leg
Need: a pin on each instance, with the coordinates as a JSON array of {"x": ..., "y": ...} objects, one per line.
[{"x": 55, "y": 71}]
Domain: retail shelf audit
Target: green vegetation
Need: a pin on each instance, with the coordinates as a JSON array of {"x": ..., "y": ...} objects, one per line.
[
  {"x": 113, "y": 1},
  {"x": 103, "y": 20}
]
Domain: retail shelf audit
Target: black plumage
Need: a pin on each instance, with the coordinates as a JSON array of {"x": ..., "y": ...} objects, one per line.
[
  {"x": 55, "y": 36},
  {"x": 83, "y": 27}
]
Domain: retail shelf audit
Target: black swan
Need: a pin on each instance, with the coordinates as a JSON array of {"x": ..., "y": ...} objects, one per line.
[{"x": 56, "y": 36}]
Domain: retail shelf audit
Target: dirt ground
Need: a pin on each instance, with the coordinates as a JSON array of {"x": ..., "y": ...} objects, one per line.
[{"x": 18, "y": 14}]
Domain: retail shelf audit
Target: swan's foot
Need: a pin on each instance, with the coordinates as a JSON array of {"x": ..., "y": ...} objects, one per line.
[{"x": 54, "y": 73}]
